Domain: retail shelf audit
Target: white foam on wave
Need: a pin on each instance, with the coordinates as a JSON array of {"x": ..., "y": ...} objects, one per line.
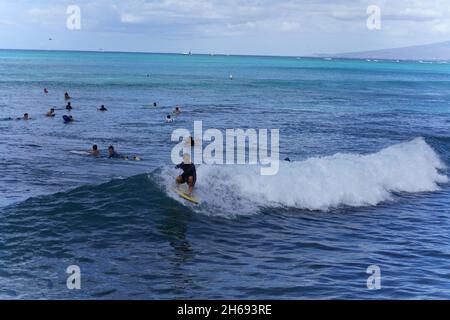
[{"x": 319, "y": 183}]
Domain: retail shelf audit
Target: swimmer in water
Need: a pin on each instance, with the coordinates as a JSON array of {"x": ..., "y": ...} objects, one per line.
[
  {"x": 50, "y": 113},
  {"x": 95, "y": 152},
  {"x": 189, "y": 175},
  {"x": 177, "y": 111},
  {"x": 45, "y": 91},
  {"x": 102, "y": 108},
  {"x": 68, "y": 119},
  {"x": 69, "y": 106},
  {"x": 155, "y": 104},
  {"x": 66, "y": 96},
  {"x": 169, "y": 119}
]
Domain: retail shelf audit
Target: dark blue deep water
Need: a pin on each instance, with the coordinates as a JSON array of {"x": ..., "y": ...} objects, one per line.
[{"x": 370, "y": 144}]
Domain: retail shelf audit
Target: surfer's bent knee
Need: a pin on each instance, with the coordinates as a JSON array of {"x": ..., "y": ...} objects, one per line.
[{"x": 191, "y": 181}]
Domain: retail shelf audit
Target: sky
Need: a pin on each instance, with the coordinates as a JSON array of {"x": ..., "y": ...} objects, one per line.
[{"x": 261, "y": 27}]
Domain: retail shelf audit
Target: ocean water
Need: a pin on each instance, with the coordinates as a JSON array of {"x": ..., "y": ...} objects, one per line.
[{"x": 368, "y": 182}]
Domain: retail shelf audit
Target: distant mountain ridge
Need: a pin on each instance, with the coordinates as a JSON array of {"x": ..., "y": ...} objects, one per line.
[{"x": 436, "y": 51}]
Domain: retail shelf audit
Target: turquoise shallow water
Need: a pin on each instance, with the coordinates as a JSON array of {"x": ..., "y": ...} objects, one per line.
[{"x": 368, "y": 182}]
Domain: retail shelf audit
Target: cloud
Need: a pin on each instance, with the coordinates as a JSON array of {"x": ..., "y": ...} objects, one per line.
[
  {"x": 413, "y": 14},
  {"x": 5, "y": 22},
  {"x": 391, "y": 13},
  {"x": 441, "y": 28},
  {"x": 46, "y": 14},
  {"x": 130, "y": 18},
  {"x": 289, "y": 26}
]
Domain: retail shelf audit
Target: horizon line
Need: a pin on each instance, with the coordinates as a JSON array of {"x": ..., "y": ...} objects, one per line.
[
  {"x": 318, "y": 56},
  {"x": 161, "y": 52}
]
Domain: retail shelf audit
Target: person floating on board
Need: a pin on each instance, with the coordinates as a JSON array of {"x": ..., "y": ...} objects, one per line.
[
  {"x": 50, "y": 113},
  {"x": 102, "y": 108},
  {"x": 169, "y": 119},
  {"x": 25, "y": 117},
  {"x": 95, "y": 152},
  {"x": 189, "y": 175},
  {"x": 68, "y": 119},
  {"x": 113, "y": 154},
  {"x": 66, "y": 96},
  {"x": 177, "y": 111},
  {"x": 69, "y": 106}
]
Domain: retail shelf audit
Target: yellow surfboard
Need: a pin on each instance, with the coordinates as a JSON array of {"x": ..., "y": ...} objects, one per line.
[{"x": 185, "y": 196}]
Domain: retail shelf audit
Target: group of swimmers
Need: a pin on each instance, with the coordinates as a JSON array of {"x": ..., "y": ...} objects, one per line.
[
  {"x": 52, "y": 112},
  {"x": 112, "y": 154},
  {"x": 189, "y": 175},
  {"x": 176, "y": 111},
  {"x": 69, "y": 118}
]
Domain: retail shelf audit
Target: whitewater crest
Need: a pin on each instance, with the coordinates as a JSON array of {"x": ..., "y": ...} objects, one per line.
[{"x": 320, "y": 183}]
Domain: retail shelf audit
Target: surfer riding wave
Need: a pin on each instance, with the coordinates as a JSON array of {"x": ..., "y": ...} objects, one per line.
[{"x": 189, "y": 175}]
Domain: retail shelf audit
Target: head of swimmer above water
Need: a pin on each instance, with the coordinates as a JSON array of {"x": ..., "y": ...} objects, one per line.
[{"x": 95, "y": 150}]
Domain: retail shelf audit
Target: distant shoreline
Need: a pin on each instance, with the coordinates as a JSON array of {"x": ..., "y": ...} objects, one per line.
[{"x": 428, "y": 52}]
